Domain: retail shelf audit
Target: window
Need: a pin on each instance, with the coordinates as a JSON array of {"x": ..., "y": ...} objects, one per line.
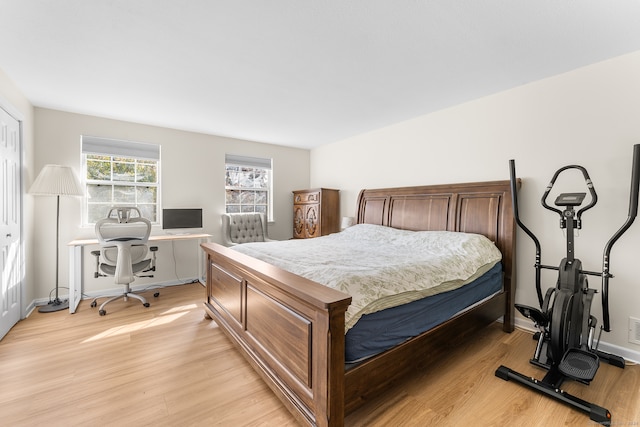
[
  {"x": 248, "y": 184},
  {"x": 123, "y": 173}
]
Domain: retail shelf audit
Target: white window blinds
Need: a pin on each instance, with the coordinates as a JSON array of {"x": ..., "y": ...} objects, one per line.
[
  {"x": 256, "y": 162},
  {"x": 119, "y": 148}
]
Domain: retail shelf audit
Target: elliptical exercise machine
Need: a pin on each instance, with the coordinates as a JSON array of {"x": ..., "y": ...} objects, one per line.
[{"x": 566, "y": 327}]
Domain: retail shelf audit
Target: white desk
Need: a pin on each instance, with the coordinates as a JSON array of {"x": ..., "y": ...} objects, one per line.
[{"x": 76, "y": 279}]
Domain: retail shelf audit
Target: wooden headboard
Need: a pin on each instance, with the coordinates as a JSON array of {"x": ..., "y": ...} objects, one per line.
[{"x": 479, "y": 207}]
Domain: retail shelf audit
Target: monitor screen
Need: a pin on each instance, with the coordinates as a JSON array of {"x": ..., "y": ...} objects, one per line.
[{"x": 181, "y": 218}]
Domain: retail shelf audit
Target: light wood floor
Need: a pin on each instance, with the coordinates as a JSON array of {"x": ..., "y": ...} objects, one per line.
[{"x": 167, "y": 365}]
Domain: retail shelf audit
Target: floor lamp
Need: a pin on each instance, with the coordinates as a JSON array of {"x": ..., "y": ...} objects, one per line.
[{"x": 55, "y": 180}]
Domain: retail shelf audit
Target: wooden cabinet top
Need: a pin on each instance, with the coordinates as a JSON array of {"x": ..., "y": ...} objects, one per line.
[{"x": 309, "y": 190}]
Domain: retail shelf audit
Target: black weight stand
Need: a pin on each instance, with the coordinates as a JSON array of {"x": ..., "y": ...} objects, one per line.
[{"x": 566, "y": 327}]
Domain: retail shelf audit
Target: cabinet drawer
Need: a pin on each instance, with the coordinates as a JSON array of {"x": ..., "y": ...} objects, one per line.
[{"x": 313, "y": 197}]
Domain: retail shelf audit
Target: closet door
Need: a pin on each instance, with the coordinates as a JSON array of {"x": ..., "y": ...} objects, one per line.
[{"x": 10, "y": 218}]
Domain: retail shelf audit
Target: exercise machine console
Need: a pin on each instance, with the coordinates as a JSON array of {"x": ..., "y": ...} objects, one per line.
[{"x": 566, "y": 345}]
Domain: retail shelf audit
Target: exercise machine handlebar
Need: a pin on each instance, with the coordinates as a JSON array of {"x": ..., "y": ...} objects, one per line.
[
  {"x": 514, "y": 201},
  {"x": 587, "y": 179},
  {"x": 633, "y": 212}
]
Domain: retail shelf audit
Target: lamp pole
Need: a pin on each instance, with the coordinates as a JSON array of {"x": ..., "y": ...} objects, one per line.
[{"x": 56, "y": 304}]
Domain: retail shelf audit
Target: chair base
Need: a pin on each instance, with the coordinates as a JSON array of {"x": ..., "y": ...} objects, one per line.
[{"x": 125, "y": 295}]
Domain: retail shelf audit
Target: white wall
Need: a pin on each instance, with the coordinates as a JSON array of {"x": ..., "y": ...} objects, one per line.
[
  {"x": 192, "y": 175},
  {"x": 589, "y": 117}
]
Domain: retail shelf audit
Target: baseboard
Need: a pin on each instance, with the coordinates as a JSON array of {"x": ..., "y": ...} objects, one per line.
[
  {"x": 111, "y": 291},
  {"x": 628, "y": 354},
  {"x": 29, "y": 309}
]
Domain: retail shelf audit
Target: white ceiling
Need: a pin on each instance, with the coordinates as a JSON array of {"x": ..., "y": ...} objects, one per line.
[{"x": 296, "y": 72}]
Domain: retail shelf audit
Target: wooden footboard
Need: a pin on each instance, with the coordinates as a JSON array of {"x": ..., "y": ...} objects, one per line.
[
  {"x": 292, "y": 329},
  {"x": 289, "y": 328},
  {"x": 368, "y": 379}
]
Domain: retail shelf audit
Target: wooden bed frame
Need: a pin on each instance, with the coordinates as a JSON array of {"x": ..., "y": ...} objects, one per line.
[{"x": 291, "y": 329}]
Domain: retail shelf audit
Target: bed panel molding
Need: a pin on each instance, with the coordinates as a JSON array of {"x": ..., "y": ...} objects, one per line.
[
  {"x": 280, "y": 332},
  {"x": 373, "y": 210},
  {"x": 420, "y": 212},
  {"x": 474, "y": 211}
]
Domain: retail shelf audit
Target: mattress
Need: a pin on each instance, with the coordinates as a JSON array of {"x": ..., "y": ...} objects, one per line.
[
  {"x": 382, "y": 330},
  {"x": 382, "y": 267}
]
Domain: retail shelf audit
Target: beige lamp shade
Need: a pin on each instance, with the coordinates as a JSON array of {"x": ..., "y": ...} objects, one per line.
[{"x": 56, "y": 180}]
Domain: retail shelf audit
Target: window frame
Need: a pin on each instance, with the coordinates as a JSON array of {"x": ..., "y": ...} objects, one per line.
[
  {"x": 114, "y": 152},
  {"x": 264, "y": 164}
]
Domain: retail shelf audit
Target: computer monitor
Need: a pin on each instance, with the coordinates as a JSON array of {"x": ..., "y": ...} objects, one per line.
[{"x": 181, "y": 220}]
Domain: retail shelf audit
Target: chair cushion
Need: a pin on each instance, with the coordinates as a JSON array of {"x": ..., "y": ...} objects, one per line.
[
  {"x": 246, "y": 228},
  {"x": 110, "y": 254},
  {"x": 110, "y": 270}
]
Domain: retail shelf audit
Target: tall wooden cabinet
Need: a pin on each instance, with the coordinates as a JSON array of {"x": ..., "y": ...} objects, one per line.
[{"x": 316, "y": 212}]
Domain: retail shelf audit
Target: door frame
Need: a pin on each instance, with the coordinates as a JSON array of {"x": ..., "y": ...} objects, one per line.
[{"x": 13, "y": 112}]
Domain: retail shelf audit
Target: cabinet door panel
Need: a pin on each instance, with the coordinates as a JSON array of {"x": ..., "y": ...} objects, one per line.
[
  {"x": 298, "y": 221},
  {"x": 311, "y": 225}
]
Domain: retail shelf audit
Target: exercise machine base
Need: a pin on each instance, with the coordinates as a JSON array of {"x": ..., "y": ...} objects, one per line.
[{"x": 548, "y": 387}]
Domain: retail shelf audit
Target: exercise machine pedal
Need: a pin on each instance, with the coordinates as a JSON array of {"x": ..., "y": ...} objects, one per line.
[
  {"x": 579, "y": 365},
  {"x": 538, "y": 317}
]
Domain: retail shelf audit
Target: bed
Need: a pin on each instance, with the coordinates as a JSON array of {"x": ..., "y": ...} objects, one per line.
[{"x": 292, "y": 329}]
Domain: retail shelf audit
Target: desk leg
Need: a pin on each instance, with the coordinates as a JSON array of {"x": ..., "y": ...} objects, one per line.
[{"x": 75, "y": 277}]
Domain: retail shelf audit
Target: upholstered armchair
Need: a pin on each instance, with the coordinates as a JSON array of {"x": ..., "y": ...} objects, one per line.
[{"x": 247, "y": 227}]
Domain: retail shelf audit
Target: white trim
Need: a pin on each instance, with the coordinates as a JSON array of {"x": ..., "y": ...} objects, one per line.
[
  {"x": 16, "y": 114},
  {"x": 6, "y": 106}
]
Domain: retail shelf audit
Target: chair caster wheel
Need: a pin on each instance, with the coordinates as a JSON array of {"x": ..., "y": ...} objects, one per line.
[
  {"x": 146, "y": 304},
  {"x": 102, "y": 312},
  {"x": 157, "y": 294},
  {"x": 93, "y": 304}
]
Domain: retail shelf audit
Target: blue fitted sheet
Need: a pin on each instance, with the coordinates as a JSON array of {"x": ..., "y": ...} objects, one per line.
[{"x": 380, "y": 331}]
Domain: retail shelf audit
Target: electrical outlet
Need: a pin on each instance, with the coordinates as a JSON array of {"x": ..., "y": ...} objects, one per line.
[{"x": 634, "y": 330}]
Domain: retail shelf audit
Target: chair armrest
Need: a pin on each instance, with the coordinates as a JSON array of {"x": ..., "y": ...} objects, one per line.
[
  {"x": 226, "y": 231},
  {"x": 227, "y": 242}
]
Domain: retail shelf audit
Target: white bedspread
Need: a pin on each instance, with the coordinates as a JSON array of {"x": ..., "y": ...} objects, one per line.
[{"x": 382, "y": 267}]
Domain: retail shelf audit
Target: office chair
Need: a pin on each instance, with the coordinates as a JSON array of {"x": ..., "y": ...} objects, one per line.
[
  {"x": 243, "y": 228},
  {"x": 123, "y": 251}
]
